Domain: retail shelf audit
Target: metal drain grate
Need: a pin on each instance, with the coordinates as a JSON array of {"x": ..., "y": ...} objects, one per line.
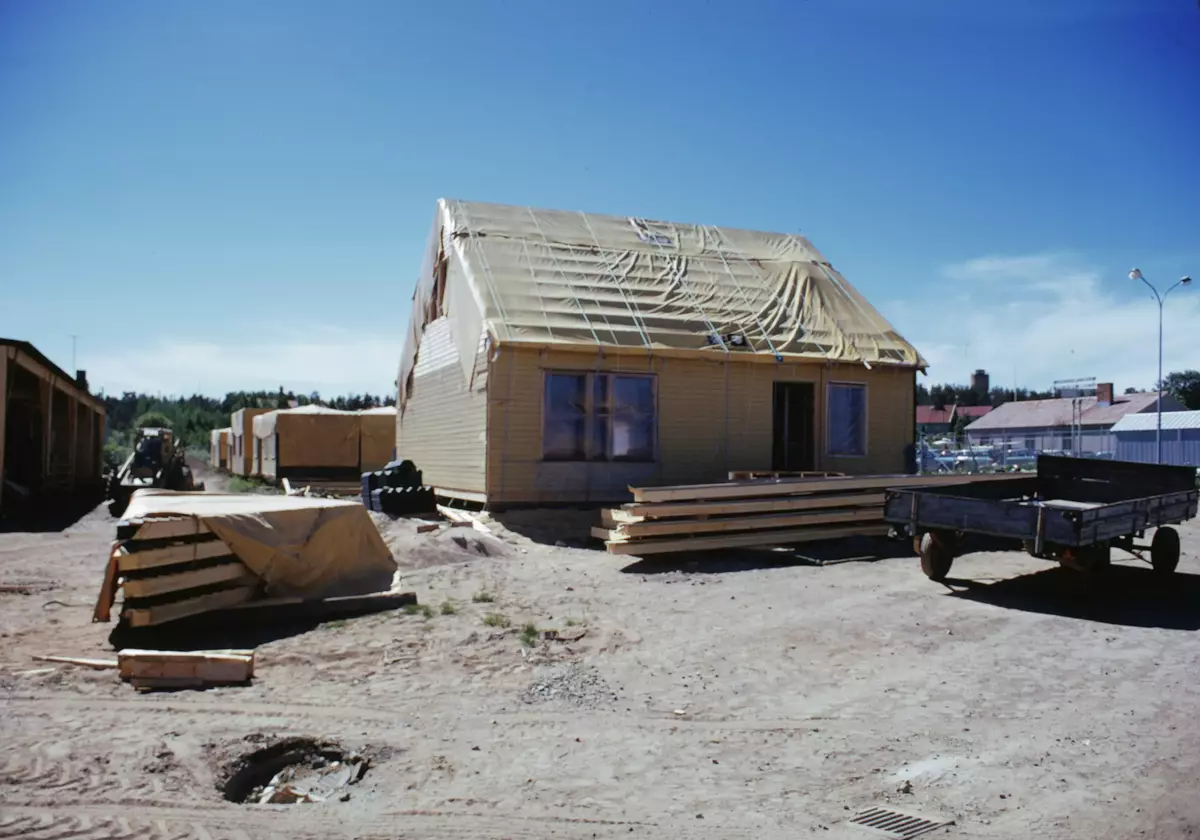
[{"x": 896, "y": 824}]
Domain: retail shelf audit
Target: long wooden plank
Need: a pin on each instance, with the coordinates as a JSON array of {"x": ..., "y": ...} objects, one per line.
[
  {"x": 162, "y": 584},
  {"x": 669, "y": 527},
  {"x": 154, "y": 558},
  {"x": 94, "y": 664},
  {"x": 661, "y": 510},
  {"x": 785, "y": 487},
  {"x": 147, "y": 616},
  {"x": 761, "y": 538},
  {"x": 743, "y": 475},
  {"x": 176, "y": 526}
]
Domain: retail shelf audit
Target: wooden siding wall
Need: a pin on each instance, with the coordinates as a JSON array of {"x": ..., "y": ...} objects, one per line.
[
  {"x": 713, "y": 416},
  {"x": 69, "y": 433},
  {"x": 441, "y": 429}
]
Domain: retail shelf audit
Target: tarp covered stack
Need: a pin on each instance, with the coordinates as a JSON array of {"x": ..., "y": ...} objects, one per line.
[
  {"x": 310, "y": 439},
  {"x": 179, "y": 554}
]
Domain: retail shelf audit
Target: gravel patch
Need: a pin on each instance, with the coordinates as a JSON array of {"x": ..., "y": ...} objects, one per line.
[{"x": 573, "y": 684}]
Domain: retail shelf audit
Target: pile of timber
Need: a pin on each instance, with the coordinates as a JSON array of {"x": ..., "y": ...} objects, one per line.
[
  {"x": 757, "y": 512},
  {"x": 170, "y": 568}
]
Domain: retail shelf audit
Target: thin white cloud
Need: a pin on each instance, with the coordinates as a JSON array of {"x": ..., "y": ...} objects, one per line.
[
  {"x": 1037, "y": 318},
  {"x": 331, "y": 361}
]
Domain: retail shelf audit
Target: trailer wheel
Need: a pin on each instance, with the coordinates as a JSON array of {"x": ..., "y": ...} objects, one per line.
[
  {"x": 936, "y": 557},
  {"x": 1164, "y": 550}
]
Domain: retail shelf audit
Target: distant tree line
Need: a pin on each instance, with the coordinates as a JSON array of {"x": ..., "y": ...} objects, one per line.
[
  {"x": 193, "y": 418},
  {"x": 948, "y": 395}
]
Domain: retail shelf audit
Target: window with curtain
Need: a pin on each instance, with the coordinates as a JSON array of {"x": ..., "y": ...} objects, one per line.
[
  {"x": 847, "y": 419},
  {"x": 599, "y": 417}
]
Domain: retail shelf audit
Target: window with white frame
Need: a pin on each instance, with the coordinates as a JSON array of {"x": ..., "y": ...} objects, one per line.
[
  {"x": 846, "y": 418},
  {"x": 599, "y": 417}
]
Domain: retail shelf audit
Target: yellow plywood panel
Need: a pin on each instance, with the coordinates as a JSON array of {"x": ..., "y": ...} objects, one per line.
[
  {"x": 713, "y": 416},
  {"x": 316, "y": 440},
  {"x": 377, "y": 441},
  {"x": 443, "y": 425}
]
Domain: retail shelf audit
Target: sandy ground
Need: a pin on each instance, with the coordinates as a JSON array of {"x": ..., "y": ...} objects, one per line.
[{"x": 752, "y": 695}]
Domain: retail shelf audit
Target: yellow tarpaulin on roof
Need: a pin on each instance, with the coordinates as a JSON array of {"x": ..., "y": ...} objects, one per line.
[{"x": 550, "y": 277}]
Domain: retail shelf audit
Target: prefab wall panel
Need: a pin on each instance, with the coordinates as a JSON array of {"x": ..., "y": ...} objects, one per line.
[
  {"x": 316, "y": 440},
  {"x": 378, "y": 440},
  {"x": 713, "y": 416},
  {"x": 442, "y": 427},
  {"x": 241, "y": 440}
]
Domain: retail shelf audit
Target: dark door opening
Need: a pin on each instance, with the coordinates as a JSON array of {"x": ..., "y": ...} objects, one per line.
[{"x": 794, "y": 440}]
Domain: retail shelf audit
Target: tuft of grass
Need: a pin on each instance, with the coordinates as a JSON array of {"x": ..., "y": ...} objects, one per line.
[
  {"x": 237, "y": 484},
  {"x": 483, "y": 597},
  {"x": 340, "y": 622},
  {"x": 529, "y": 634},
  {"x": 412, "y": 609},
  {"x": 497, "y": 620},
  {"x": 427, "y": 611},
  {"x": 448, "y": 607},
  {"x": 570, "y": 622}
]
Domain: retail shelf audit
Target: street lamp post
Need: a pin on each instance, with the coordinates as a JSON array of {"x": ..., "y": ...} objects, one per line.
[{"x": 1136, "y": 274}]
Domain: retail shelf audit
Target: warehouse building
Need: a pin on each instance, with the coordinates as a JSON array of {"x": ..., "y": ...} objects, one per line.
[
  {"x": 52, "y": 432},
  {"x": 1137, "y": 438}
]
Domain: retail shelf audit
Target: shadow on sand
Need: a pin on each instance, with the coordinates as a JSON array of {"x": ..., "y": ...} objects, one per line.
[
  {"x": 824, "y": 553},
  {"x": 46, "y": 517},
  {"x": 1128, "y": 595}
]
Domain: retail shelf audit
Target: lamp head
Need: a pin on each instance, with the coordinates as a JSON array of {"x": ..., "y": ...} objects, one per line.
[
  {"x": 1135, "y": 274},
  {"x": 1186, "y": 281}
]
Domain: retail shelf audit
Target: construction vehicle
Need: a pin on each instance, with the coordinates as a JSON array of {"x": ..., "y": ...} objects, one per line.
[{"x": 157, "y": 461}]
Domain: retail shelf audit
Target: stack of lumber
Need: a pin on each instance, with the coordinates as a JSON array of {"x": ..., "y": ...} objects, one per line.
[
  {"x": 757, "y": 512},
  {"x": 169, "y": 568}
]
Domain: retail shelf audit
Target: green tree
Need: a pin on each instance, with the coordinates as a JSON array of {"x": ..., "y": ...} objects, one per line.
[
  {"x": 1184, "y": 386},
  {"x": 959, "y": 427},
  {"x": 154, "y": 420}
]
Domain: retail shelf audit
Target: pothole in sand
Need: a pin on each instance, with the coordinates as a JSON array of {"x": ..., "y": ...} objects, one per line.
[{"x": 294, "y": 771}]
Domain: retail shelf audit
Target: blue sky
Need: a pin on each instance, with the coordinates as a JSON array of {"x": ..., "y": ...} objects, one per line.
[{"x": 226, "y": 194}]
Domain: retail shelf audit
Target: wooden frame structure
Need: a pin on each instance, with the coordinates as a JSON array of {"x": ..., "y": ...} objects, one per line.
[{"x": 52, "y": 429}]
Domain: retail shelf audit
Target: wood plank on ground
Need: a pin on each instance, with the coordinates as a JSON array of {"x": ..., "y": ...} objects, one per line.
[
  {"x": 796, "y": 486},
  {"x": 209, "y": 667},
  {"x": 94, "y": 664},
  {"x": 674, "y": 527},
  {"x": 154, "y": 558},
  {"x": 760, "y": 538},
  {"x": 161, "y": 613},
  {"x": 181, "y": 581},
  {"x": 661, "y": 510}
]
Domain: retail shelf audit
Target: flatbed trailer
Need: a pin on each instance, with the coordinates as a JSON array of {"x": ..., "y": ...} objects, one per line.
[{"x": 1074, "y": 510}]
